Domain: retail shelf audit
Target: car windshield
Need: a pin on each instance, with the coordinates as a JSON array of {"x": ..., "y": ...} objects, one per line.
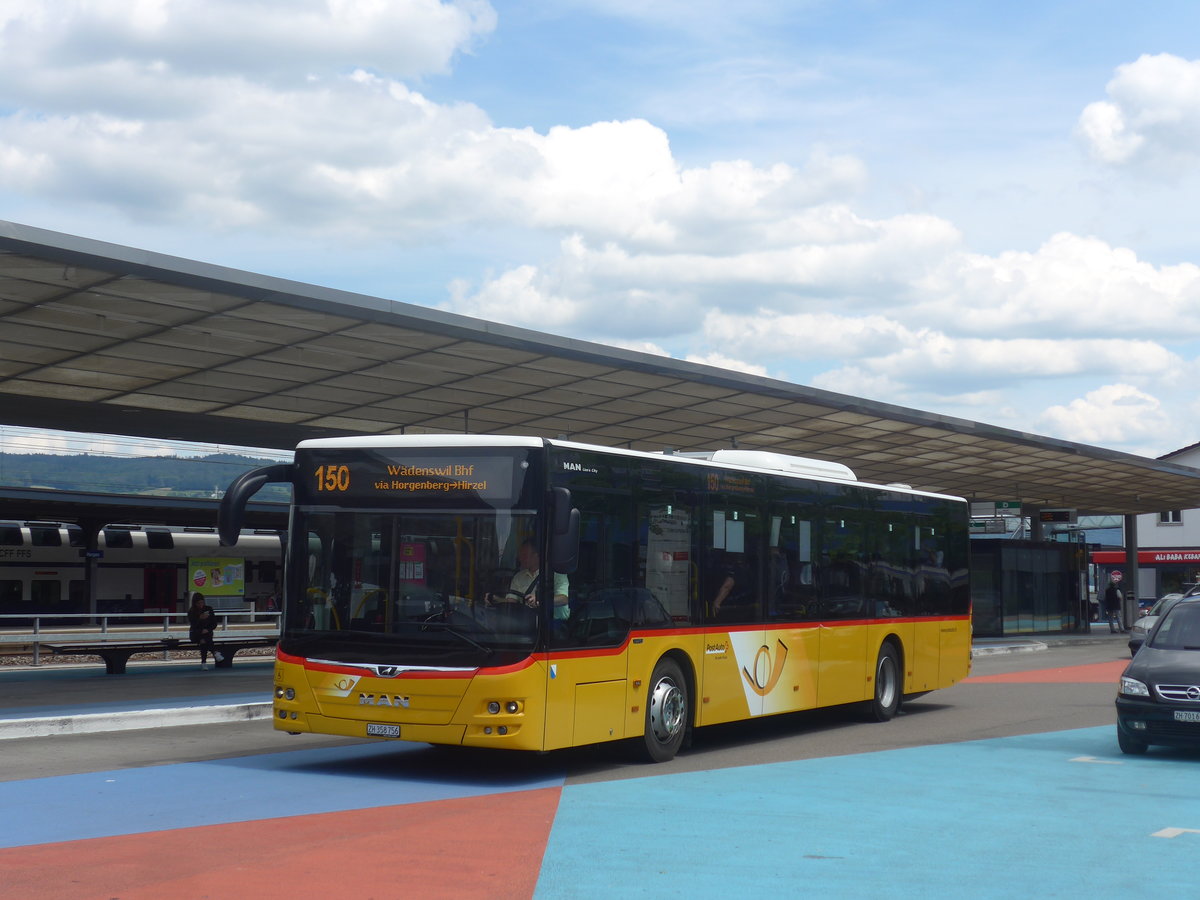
[
  {"x": 1163, "y": 604},
  {"x": 1179, "y": 629}
]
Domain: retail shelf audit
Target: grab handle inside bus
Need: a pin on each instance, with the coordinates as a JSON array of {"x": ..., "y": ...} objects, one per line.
[
  {"x": 564, "y": 539},
  {"x": 232, "y": 510}
]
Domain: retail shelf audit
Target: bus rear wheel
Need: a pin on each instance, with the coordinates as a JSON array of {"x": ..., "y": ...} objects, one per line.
[
  {"x": 888, "y": 688},
  {"x": 667, "y": 712}
]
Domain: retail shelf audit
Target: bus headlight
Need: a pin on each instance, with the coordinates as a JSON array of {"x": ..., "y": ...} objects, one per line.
[
  {"x": 512, "y": 706},
  {"x": 493, "y": 707}
]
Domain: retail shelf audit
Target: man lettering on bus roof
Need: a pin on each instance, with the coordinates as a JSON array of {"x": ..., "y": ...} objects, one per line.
[{"x": 523, "y": 587}]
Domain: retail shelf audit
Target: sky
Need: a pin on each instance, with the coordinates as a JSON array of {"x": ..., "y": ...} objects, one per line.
[{"x": 982, "y": 210}]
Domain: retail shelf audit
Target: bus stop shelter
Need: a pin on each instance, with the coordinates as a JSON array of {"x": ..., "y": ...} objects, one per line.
[{"x": 96, "y": 337}]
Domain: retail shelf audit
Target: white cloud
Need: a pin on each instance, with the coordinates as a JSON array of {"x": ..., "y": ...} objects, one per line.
[
  {"x": 1151, "y": 117},
  {"x": 822, "y": 335},
  {"x": 1112, "y": 414},
  {"x": 937, "y": 364},
  {"x": 326, "y": 120},
  {"x": 76, "y": 51},
  {"x": 721, "y": 361},
  {"x": 1071, "y": 284},
  {"x": 639, "y": 347},
  {"x": 518, "y": 297}
]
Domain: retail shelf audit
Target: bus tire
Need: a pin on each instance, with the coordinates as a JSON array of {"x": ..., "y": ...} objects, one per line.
[
  {"x": 888, "y": 685},
  {"x": 668, "y": 710}
]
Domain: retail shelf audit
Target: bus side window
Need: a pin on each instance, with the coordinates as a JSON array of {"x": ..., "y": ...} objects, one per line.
[
  {"x": 733, "y": 553},
  {"x": 791, "y": 593}
]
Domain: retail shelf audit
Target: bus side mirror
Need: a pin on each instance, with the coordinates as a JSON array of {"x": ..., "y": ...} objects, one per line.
[
  {"x": 232, "y": 511},
  {"x": 564, "y": 536}
]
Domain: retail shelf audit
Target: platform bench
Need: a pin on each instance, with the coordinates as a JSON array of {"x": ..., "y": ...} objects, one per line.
[{"x": 116, "y": 653}]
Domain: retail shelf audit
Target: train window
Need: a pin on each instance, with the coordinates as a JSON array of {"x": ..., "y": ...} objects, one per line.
[
  {"x": 265, "y": 571},
  {"x": 10, "y": 595},
  {"x": 45, "y": 536},
  {"x": 10, "y": 535},
  {"x": 75, "y": 536},
  {"x": 45, "y": 594},
  {"x": 118, "y": 538},
  {"x": 160, "y": 540}
]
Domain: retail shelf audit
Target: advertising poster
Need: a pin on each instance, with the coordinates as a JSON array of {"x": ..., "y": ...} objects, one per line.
[{"x": 217, "y": 576}]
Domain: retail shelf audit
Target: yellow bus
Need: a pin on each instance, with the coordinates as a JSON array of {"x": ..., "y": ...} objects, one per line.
[{"x": 534, "y": 594}]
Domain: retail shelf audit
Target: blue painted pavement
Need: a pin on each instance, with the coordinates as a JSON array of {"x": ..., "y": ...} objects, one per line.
[
  {"x": 1062, "y": 814},
  {"x": 240, "y": 789}
]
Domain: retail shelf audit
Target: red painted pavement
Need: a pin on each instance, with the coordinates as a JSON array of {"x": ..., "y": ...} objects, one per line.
[
  {"x": 486, "y": 847},
  {"x": 1093, "y": 673}
]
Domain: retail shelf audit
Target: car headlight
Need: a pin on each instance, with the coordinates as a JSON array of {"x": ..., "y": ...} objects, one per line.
[{"x": 1131, "y": 687}]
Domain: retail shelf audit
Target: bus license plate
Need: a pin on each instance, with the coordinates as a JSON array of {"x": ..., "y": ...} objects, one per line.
[
  {"x": 374, "y": 730},
  {"x": 1186, "y": 715}
]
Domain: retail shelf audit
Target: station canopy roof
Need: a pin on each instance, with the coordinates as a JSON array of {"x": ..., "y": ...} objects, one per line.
[{"x": 96, "y": 337}]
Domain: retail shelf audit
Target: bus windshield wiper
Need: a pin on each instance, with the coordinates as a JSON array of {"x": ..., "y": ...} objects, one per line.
[{"x": 445, "y": 626}]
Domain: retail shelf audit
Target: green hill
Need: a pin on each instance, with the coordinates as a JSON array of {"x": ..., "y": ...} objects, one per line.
[{"x": 164, "y": 476}]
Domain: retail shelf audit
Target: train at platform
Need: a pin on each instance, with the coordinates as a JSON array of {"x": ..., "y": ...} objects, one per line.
[{"x": 134, "y": 569}]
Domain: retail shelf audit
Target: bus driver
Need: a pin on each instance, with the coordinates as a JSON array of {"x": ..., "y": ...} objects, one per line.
[{"x": 523, "y": 587}]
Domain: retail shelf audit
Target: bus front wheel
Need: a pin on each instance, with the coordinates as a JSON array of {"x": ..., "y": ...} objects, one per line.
[
  {"x": 888, "y": 687},
  {"x": 667, "y": 711}
]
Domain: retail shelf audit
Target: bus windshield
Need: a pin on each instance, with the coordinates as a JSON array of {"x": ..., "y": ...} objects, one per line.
[{"x": 408, "y": 588}]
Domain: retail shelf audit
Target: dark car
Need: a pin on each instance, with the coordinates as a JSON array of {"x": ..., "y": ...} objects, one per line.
[{"x": 1158, "y": 701}]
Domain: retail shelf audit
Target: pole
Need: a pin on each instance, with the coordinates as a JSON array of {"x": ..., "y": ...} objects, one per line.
[{"x": 1129, "y": 607}]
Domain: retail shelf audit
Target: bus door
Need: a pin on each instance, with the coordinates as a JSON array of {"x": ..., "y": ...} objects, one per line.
[
  {"x": 843, "y": 667},
  {"x": 740, "y": 664},
  {"x": 793, "y": 638},
  {"x": 587, "y": 672}
]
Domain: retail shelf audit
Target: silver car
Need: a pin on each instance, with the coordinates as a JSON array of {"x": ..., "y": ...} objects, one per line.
[{"x": 1141, "y": 628}]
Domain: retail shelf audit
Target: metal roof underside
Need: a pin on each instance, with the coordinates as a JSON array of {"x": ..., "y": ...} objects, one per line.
[{"x": 96, "y": 337}]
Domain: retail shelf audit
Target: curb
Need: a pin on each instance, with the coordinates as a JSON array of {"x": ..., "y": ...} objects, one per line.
[
  {"x": 1020, "y": 647},
  {"x": 96, "y": 723}
]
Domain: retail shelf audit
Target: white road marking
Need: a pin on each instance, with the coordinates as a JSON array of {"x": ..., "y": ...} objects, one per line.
[{"x": 1175, "y": 832}]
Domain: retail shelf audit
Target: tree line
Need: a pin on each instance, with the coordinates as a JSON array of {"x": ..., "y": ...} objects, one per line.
[{"x": 173, "y": 476}]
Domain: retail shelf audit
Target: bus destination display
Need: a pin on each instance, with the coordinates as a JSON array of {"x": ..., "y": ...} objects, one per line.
[{"x": 342, "y": 477}]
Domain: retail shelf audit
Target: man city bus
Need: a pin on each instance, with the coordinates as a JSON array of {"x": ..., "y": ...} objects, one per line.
[{"x": 524, "y": 593}]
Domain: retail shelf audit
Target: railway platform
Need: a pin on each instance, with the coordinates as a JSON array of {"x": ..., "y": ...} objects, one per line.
[{"x": 39, "y": 701}]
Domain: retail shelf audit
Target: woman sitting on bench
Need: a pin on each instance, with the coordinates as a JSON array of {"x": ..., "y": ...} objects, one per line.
[{"x": 202, "y": 621}]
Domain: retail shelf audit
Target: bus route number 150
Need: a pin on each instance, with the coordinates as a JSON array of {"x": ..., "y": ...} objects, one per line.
[{"x": 333, "y": 478}]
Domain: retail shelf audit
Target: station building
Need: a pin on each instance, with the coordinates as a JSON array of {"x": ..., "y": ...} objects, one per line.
[{"x": 1168, "y": 556}]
